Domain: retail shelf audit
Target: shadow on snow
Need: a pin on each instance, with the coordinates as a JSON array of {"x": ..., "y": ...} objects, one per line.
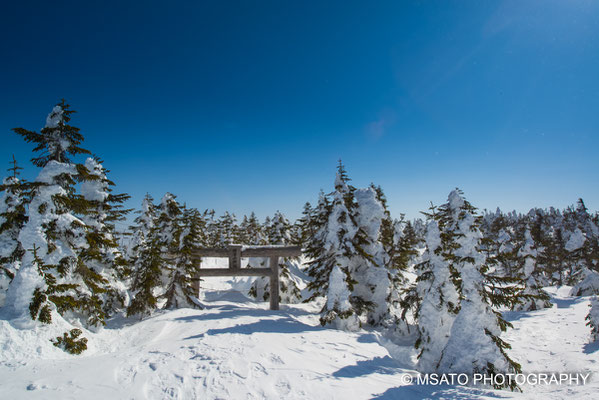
[
  {"x": 378, "y": 365},
  {"x": 280, "y": 325},
  {"x": 410, "y": 392}
]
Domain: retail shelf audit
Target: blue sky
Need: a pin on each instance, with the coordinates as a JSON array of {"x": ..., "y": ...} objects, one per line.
[{"x": 245, "y": 106}]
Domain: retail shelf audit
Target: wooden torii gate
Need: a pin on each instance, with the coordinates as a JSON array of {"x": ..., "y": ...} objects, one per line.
[{"x": 236, "y": 252}]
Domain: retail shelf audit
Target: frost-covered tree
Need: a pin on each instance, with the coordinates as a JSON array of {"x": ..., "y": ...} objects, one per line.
[
  {"x": 593, "y": 318},
  {"x": 534, "y": 297},
  {"x": 552, "y": 253},
  {"x": 474, "y": 345},
  {"x": 439, "y": 299},
  {"x": 339, "y": 312},
  {"x": 54, "y": 277},
  {"x": 375, "y": 283},
  {"x": 103, "y": 254},
  {"x": 179, "y": 289},
  {"x": 583, "y": 250},
  {"x": 147, "y": 276},
  {"x": 226, "y": 230},
  {"x": 167, "y": 223},
  {"x": 253, "y": 232},
  {"x": 144, "y": 224},
  {"x": 12, "y": 219},
  {"x": 305, "y": 225},
  {"x": 151, "y": 264},
  {"x": 339, "y": 242}
]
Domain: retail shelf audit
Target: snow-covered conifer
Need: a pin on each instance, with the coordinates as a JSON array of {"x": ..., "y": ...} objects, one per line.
[
  {"x": 593, "y": 318},
  {"x": 226, "y": 230},
  {"x": 474, "y": 345},
  {"x": 103, "y": 254},
  {"x": 375, "y": 283},
  {"x": 339, "y": 312},
  {"x": 54, "y": 276},
  {"x": 582, "y": 248},
  {"x": 151, "y": 265},
  {"x": 12, "y": 219},
  {"x": 339, "y": 242},
  {"x": 534, "y": 297},
  {"x": 144, "y": 224},
  {"x": 179, "y": 289},
  {"x": 305, "y": 225},
  {"x": 439, "y": 300}
]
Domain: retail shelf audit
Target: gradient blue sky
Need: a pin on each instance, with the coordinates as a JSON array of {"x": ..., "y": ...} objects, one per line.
[{"x": 248, "y": 105}]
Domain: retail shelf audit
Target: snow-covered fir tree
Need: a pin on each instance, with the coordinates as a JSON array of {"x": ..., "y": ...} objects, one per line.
[
  {"x": 552, "y": 253},
  {"x": 338, "y": 243},
  {"x": 54, "y": 277},
  {"x": 438, "y": 298},
  {"x": 226, "y": 230},
  {"x": 146, "y": 282},
  {"x": 152, "y": 263},
  {"x": 583, "y": 250},
  {"x": 377, "y": 281},
  {"x": 593, "y": 318},
  {"x": 143, "y": 225},
  {"x": 252, "y": 232},
  {"x": 180, "y": 289},
  {"x": 339, "y": 312},
  {"x": 474, "y": 345},
  {"x": 12, "y": 219},
  {"x": 534, "y": 297},
  {"x": 103, "y": 254},
  {"x": 305, "y": 225}
]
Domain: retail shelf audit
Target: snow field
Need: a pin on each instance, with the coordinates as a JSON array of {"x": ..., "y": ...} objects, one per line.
[{"x": 238, "y": 349}]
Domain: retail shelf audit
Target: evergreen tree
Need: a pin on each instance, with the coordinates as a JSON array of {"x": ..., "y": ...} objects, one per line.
[
  {"x": 582, "y": 249},
  {"x": 474, "y": 345},
  {"x": 338, "y": 243},
  {"x": 534, "y": 297},
  {"x": 305, "y": 226},
  {"x": 375, "y": 283},
  {"x": 58, "y": 140},
  {"x": 593, "y": 318},
  {"x": 151, "y": 266},
  {"x": 552, "y": 252},
  {"x": 254, "y": 233},
  {"x": 54, "y": 276},
  {"x": 212, "y": 231},
  {"x": 439, "y": 300},
  {"x": 227, "y": 230},
  {"x": 147, "y": 276},
  {"x": 339, "y": 312},
  {"x": 12, "y": 219},
  {"x": 144, "y": 224},
  {"x": 179, "y": 290},
  {"x": 103, "y": 254}
]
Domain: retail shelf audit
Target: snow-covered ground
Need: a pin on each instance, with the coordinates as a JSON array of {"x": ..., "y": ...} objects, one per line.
[{"x": 238, "y": 349}]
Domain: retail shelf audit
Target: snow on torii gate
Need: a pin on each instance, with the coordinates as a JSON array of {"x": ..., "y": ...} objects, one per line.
[{"x": 236, "y": 252}]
